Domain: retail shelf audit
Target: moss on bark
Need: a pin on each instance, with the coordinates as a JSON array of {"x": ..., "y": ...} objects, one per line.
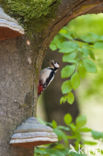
[{"x": 32, "y": 14}]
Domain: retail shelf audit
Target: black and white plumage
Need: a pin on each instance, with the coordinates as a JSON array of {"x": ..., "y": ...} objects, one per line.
[{"x": 46, "y": 76}]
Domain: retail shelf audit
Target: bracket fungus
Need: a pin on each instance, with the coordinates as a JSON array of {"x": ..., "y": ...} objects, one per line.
[
  {"x": 9, "y": 27},
  {"x": 32, "y": 133}
]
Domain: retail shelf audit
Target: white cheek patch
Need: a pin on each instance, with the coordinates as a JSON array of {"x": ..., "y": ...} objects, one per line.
[{"x": 56, "y": 65}]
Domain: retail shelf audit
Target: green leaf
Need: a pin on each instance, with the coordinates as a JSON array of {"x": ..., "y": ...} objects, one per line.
[
  {"x": 54, "y": 124},
  {"x": 84, "y": 50},
  {"x": 63, "y": 99},
  {"x": 70, "y": 57},
  {"x": 67, "y": 71},
  {"x": 68, "y": 46},
  {"x": 72, "y": 137},
  {"x": 66, "y": 35},
  {"x": 81, "y": 121},
  {"x": 82, "y": 70},
  {"x": 64, "y": 32},
  {"x": 73, "y": 127},
  {"x": 90, "y": 37},
  {"x": 92, "y": 143},
  {"x": 52, "y": 46},
  {"x": 97, "y": 135},
  {"x": 85, "y": 129},
  {"x": 56, "y": 43},
  {"x": 61, "y": 135},
  {"x": 91, "y": 54},
  {"x": 66, "y": 87},
  {"x": 64, "y": 128},
  {"x": 70, "y": 98},
  {"x": 75, "y": 80},
  {"x": 67, "y": 119},
  {"x": 60, "y": 146},
  {"x": 89, "y": 66},
  {"x": 98, "y": 45},
  {"x": 76, "y": 154},
  {"x": 54, "y": 152},
  {"x": 40, "y": 151}
]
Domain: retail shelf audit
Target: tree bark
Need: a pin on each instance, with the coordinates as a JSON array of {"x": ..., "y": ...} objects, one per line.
[
  {"x": 20, "y": 66},
  {"x": 16, "y": 90}
]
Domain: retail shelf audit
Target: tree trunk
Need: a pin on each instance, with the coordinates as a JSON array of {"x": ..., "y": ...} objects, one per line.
[
  {"x": 16, "y": 90},
  {"x": 20, "y": 67}
]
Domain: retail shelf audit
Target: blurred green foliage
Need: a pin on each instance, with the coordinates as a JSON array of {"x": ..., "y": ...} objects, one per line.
[
  {"x": 71, "y": 131},
  {"x": 85, "y": 24},
  {"x": 78, "y": 42},
  {"x": 79, "y": 57},
  {"x": 82, "y": 26}
]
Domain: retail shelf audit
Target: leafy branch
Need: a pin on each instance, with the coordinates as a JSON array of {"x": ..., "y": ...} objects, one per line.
[
  {"x": 67, "y": 133},
  {"x": 79, "y": 56}
]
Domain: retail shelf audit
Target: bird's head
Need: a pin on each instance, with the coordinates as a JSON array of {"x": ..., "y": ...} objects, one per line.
[{"x": 54, "y": 64}]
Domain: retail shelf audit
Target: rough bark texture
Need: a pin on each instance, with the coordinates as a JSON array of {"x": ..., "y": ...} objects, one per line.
[
  {"x": 19, "y": 77},
  {"x": 16, "y": 90}
]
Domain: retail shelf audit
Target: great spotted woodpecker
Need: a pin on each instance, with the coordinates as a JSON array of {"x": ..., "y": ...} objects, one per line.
[{"x": 46, "y": 76}]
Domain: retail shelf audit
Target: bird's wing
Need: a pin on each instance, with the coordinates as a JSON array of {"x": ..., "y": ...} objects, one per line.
[
  {"x": 49, "y": 79},
  {"x": 44, "y": 74}
]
